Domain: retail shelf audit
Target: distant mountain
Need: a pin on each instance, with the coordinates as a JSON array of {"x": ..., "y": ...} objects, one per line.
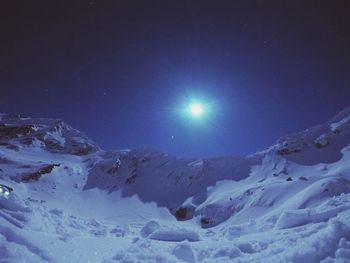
[
  {"x": 63, "y": 199},
  {"x": 52, "y": 135}
]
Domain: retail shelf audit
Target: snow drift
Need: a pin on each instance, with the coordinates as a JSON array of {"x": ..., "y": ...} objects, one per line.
[{"x": 63, "y": 199}]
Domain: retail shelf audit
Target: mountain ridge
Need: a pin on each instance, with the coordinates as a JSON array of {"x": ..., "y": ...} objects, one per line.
[{"x": 62, "y": 187}]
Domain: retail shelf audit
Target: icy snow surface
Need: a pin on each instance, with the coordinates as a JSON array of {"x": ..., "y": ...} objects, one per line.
[{"x": 69, "y": 201}]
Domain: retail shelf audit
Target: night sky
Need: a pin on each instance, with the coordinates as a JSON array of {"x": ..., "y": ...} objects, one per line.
[{"x": 121, "y": 71}]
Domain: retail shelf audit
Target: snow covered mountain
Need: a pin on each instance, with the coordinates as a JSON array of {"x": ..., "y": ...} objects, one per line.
[
  {"x": 51, "y": 135},
  {"x": 63, "y": 199}
]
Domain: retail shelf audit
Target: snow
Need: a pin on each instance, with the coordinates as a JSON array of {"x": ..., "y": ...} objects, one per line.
[
  {"x": 229, "y": 252},
  {"x": 149, "y": 228},
  {"x": 288, "y": 203},
  {"x": 175, "y": 235},
  {"x": 184, "y": 252},
  {"x": 338, "y": 124},
  {"x": 196, "y": 163}
]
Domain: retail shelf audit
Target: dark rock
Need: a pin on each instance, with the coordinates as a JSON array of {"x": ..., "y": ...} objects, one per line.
[
  {"x": 25, "y": 166},
  {"x": 37, "y": 175},
  {"x": 114, "y": 169},
  {"x": 53, "y": 145},
  {"x": 181, "y": 213},
  {"x": 130, "y": 179},
  {"x": 6, "y": 187},
  {"x": 9, "y": 132},
  {"x": 320, "y": 145},
  {"x": 286, "y": 151},
  {"x": 28, "y": 141},
  {"x": 205, "y": 221},
  {"x": 83, "y": 150}
]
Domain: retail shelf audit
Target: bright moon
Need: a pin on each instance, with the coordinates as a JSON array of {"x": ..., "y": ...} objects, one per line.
[{"x": 196, "y": 109}]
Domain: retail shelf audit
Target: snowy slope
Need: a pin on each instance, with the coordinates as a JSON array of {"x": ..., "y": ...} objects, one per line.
[{"x": 63, "y": 199}]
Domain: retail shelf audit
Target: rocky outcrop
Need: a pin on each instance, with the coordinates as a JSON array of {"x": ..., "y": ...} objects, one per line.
[
  {"x": 50, "y": 134},
  {"x": 35, "y": 176}
]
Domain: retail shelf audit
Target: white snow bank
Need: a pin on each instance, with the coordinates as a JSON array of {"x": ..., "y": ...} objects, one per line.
[
  {"x": 300, "y": 217},
  {"x": 149, "y": 228},
  {"x": 336, "y": 125},
  {"x": 177, "y": 235},
  {"x": 184, "y": 252},
  {"x": 318, "y": 245},
  {"x": 13, "y": 203}
]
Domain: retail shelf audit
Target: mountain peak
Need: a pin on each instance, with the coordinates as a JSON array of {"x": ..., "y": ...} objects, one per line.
[
  {"x": 53, "y": 135},
  {"x": 59, "y": 190}
]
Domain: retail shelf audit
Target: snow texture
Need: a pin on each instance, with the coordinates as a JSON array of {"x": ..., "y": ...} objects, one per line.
[{"x": 63, "y": 199}]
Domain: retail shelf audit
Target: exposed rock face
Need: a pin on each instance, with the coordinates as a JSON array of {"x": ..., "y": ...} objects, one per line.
[
  {"x": 181, "y": 185},
  {"x": 49, "y": 134},
  {"x": 35, "y": 176},
  {"x": 306, "y": 147},
  {"x": 12, "y": 131},
  {"x": 265, "y": 206},
  {"x": 184, "y": 213}
]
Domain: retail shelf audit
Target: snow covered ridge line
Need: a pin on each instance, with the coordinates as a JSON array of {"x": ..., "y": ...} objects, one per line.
[
  {"x": 65, "y": 200},
  {"x": 51, "y": 135},
  {"x": 181, "y": 185},
  {"x": 334, "y": 135}
]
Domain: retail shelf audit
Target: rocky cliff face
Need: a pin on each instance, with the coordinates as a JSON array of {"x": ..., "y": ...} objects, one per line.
[
  {"x": 51, "y": 135},
  {"x": 164, "y": 179},
  {"x": 58, "y": 189}
]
